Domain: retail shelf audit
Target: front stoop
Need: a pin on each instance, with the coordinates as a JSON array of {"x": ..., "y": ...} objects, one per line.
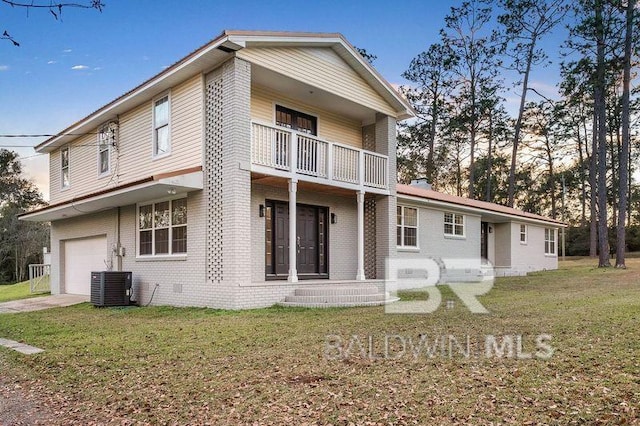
[{"x": 328, "y": 296}]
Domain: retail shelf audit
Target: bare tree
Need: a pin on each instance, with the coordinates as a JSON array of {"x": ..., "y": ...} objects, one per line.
[
  {"x": 524, "y": 23},
  {"x": 431, "y": 71},
  {"x": 475, "y": 68},
  {"x": 55, "y": 9},
  {"x": 544, "y": 142}
]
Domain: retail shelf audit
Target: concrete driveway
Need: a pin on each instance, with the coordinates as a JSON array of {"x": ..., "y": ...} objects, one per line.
[{"x": 40, "y": 303}]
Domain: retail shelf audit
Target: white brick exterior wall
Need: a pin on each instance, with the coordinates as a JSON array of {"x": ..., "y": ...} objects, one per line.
[
  {"x": 342, "y": 235},
  {"x": 502, "y": 232},
  {"x": 434, "y": 244},
  {"x": 530, "y": 256},
  {"x": 504, "y": 250},
  {"x": 180, "y": 282}
]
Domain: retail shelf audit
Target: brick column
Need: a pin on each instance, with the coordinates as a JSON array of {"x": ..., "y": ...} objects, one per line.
[
  {"x": 385, "y": 140},
  {"x": 227, "y": 156}
]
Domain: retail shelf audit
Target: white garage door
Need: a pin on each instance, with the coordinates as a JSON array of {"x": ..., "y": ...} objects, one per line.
[{"x": 80, "y": 258}]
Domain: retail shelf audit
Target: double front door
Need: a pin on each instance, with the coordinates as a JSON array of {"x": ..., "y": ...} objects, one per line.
[{"x": 311, "y": 240}]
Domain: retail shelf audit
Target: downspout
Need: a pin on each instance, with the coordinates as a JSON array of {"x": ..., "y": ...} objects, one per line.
[{"x": 118, "y": 245}]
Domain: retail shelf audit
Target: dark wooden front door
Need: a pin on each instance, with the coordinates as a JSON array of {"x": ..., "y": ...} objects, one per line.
[
  {"x": 311, "y": 241},
  {"x": 281, "y": 238},
  {"x": 484, "y": 240},
  {"x": 307, "y": 230}
]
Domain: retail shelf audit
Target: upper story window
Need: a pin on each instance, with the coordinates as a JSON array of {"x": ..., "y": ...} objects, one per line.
[
  {"x": 64, "y": 167},
  {"x": 296, "y": 120},
  {"x": 161, "y": 130},
  {"x": 549, "y": 241},
  {"x": 162, "y": 228},
  {"x": 106, "y": 138},
  {"x": 454, "y": 224},
  {"x": 407, "y": 226},
  {"x": 523, "y": 234}
]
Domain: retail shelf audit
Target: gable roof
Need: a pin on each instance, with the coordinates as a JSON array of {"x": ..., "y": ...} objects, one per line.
[
  {"x": 429, "y": 194},
  {"x": 215, "y": 53}
]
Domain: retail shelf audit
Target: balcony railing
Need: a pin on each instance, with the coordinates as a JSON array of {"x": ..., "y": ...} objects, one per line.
[{"x": 278, "y": 148}]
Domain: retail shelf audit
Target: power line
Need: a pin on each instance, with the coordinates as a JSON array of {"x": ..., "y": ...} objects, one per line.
[
  {"x": 33, "y": 146},
  {"x": 45, "y": 135},
  {"x": 32, "y": 156}
]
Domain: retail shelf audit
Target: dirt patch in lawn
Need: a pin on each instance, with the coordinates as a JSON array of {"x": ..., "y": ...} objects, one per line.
[{"x": 20, "y": 406}]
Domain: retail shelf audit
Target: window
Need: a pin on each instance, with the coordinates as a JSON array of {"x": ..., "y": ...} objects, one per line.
[
  {"x": 549, "y": 241},
  {"x": 407, "y": 226},
  {"x": 162, "y": 228},
  {"x": 296, "y": 120},
  {"x": 64, "y": 167},
  {"x": 523, "y": 234},
  {"x": 161, "y": 133},
  {"x": 106, "y": 137},
  {"x": 454, "y": 224}
]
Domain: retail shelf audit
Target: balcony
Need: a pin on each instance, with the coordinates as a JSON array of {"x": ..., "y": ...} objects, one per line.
[{"x": 283, "y": 152}]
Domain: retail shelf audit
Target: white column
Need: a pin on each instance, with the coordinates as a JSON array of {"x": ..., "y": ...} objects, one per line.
[
  {"x": 293, "y": 237},
  {"x": 293, "y": 153},
  {"x": 360, "y": 274},
  {"x": 361, "y": 172},
  {"x": 330, "y": 162}
]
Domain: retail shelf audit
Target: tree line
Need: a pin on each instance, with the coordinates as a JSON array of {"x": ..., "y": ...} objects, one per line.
[
  {"x": 21, "y": 242},
  {"x": 570, "y": 157}
]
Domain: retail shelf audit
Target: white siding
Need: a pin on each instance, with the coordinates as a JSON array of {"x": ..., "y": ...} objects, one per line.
[
  {"x": 332, "y": 127},
  {"x": 319, "y": 67},
  {"x": 133, "y": 158}
]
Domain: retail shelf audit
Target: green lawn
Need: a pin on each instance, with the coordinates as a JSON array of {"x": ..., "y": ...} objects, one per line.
[
  {"x": 17, "y": 291},
  {"x": 169, "y": 365}
]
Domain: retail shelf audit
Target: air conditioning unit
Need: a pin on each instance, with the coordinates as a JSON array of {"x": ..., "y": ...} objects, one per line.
[{"x": 111, "y": 288}]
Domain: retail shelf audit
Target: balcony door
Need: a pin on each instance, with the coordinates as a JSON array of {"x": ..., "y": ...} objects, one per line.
[
  {"x": 311, "y": 240},
  {"x": 310, "y": 161},
  {"x": 296, "y": 120}
]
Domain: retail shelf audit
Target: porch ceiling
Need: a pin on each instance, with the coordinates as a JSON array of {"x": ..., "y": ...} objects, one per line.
[
  {"x": 153, "y": 187},
  {"x": 280, "y": 182},
  {"x": 492, "y": 218},
  {"x": 311, "y": 95}
]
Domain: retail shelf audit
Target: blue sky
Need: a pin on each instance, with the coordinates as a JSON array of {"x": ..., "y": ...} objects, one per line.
[{"x": 62, "y": 71}]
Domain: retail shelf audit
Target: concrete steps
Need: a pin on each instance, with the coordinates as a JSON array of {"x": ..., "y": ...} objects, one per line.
[{"x": 329, "y": 296}]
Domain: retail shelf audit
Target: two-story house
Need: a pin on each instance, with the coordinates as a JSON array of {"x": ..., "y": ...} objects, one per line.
[{"x": 261, "y": 163}]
